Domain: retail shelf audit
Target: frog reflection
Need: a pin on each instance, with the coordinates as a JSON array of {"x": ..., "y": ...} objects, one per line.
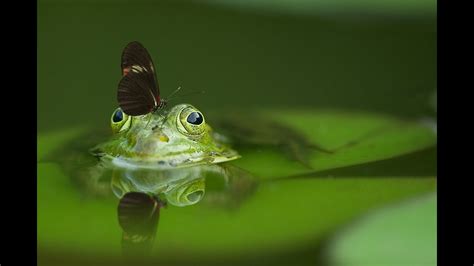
[
  {"x": 186, "y": 186},
  {"x": 143, "y": 193},
  {"x": 179, "y": 187}
]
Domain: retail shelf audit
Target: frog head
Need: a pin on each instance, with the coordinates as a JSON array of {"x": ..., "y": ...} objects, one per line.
[{"x": 173, "y": 138}]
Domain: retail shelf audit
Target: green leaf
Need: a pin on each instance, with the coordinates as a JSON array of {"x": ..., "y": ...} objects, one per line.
[
  {"x": 361, "y": 137},
  {"x": 397, "y": 235}
]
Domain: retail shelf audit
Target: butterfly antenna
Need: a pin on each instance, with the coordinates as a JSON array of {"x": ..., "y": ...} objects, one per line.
[
  {"x": 189, "y": 93},
  {"x": 174, "y": 92}
]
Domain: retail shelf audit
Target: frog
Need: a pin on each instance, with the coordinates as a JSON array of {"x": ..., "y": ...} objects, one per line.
[{"x": 176, "y": 138}]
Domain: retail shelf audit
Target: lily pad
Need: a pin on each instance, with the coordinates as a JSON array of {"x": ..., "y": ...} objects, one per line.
[
  {"x": 396, "y": 235},
  {"x": 355, "y": 138}
]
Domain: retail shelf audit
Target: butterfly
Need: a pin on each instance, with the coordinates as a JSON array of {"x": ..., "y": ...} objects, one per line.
[
  {"x": 138, "y": 90},
  {"x": 138, "y": 216}
]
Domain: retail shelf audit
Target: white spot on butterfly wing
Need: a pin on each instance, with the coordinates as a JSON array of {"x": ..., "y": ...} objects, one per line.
[{"x": 138, "y": 69}]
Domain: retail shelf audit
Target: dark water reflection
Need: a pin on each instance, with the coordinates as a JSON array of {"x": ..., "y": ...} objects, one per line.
[{"x": 143, "y": 193}]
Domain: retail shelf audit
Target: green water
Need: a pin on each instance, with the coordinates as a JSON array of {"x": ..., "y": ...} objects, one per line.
[{"x": 333, "y": 75}]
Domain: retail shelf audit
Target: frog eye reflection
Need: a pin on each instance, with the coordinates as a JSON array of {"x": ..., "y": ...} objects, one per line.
[
  {"x": 120, "y": 121},
  {"x": 195, "y": 118},
  {"x": 187, "y": 193},
  {"x": 195, "y": 196}
]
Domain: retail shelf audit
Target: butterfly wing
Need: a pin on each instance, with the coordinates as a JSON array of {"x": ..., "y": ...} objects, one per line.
[
  {"x": 135, "y": 95},
  {"x": 138, "y": 216},
  {"x": 138, "y": 91}
]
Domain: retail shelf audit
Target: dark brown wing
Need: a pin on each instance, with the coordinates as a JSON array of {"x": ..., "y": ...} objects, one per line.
[
  {"x": 136, "y": 60},
  {"x": 135, "y": 95}
]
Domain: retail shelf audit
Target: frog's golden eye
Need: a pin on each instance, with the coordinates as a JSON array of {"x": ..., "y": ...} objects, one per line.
[
  {"x": 192, "y": 121},
  {"x": 120, "y": 121}
]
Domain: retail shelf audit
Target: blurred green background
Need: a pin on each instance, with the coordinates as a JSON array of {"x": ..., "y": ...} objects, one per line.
[
  {"x": 367, "y": 55},
  {"x": 370, "y": 56}
]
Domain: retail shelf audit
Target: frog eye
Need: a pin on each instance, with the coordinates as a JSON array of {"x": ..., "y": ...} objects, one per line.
[
  {"x": 120, "y": 121},
  {"x": 195, "y": 118},
  {"x": 117, "y": 116},
  {"x": 192, "y": 121}
]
